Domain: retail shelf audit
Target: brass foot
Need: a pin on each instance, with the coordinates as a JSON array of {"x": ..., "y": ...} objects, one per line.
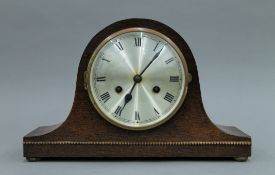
[
  {"x": 241, "y": 159},
  {"x": 32, "y": 159}
]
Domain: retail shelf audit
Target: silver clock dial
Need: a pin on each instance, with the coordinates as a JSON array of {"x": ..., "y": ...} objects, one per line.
[{"x": 137, "y": 79}]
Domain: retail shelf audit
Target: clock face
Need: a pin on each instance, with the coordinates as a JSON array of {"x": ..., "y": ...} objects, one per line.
[{"x": 137, "y": 78}]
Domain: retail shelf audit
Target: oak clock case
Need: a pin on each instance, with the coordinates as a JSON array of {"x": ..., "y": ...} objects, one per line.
[{"x": 137, "y": 96}]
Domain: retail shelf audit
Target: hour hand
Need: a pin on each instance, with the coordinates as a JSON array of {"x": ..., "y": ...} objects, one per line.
[{"x": 127, "y": 98}]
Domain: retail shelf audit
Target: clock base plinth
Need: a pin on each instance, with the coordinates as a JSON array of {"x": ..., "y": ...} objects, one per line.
[{"x": 36, "y": 149}]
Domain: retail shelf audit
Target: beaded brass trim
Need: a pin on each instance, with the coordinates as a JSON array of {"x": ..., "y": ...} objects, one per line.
[{"x": 152, "y": 143}]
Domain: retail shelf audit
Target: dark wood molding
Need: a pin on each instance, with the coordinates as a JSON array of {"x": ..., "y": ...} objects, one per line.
[{"x": 77, "y": 135}]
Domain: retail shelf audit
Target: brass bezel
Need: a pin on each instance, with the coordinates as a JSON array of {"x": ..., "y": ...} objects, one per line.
[{"x": 187, "y": 77}]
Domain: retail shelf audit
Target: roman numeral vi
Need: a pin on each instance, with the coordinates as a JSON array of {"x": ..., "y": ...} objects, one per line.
[{"x": 118, "y": 110}]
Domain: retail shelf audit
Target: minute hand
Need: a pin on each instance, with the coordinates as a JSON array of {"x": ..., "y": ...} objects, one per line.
[{"x": 153, "y": 59}]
